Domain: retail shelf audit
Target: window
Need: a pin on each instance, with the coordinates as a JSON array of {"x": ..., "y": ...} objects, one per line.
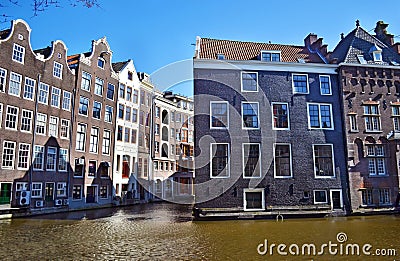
[
  {"x": 128, "y": 113},
  {"x": 12, "y": 117},
  {"x": 280, "y": 116},
  {"x": 367, "y": 198},
  {"x": 135, "y": 96},
  {"x": 396, "y": 117},
  {"x": 104, "y": 191},
  {"x": 122, "y": 91},
  {"x": 119, "y": 132},
  {"x": 376, "y": 160},
  {"x": 23, "y": 156},
  {"x": 320, "y": 116},
  {"x": 121, "y": 109},
  {"x": 178, "y": 117},
  {"x": 57, "y": 70},
  {"x": 86, "y": 80},
  {"x": 77, "y": 192},
  {"x": 145, "y": 168},
  {"x": 323, "y": 161},
  {"x": 36, "y": 190},
  {"x": 172, "y": 116},
  {"x": 156, "y": 147},
  {"x": 141, "y": 139},
  {"x": 219, "y": 160},
  {"x": 325, "y": 85},
  {"x": 53, "y": 126},
  {"x": 141, "y": 118},
  {"x": 81, "y": 137},
  {"x": 110, "y": 91},
  {"x": 219, "y": 115},
  {"x": 133, "y": 136},
  {"x": 271, "y": 56},
  {"x": 83, "y": 105},
  {"x": 106, "y": 142},
  {"x": 100, "y": 62},
  {"x": 134, "y": 115},
  {"x": 251, "y": 161},
  {"x": 127, "y": 134},
  {"x": 62, "y": 159},
  {"x": 172, "y": 133},
  {"x": 96, "y": 110},
  {"x": 15, "y": 84},
  {"x": 41, "y": 123},
  {"x": 220, "y": 56},
  {"x": 283, "y": 161},
  {"x": 98, "y": 86},
  {"x": 140, "y": 166},
  {"x": 64, "y": 129},
  {"x": 26, "y": 120},
  {"x": 38, "y": 159},
  {"x": 384, "y": 196},
  {"x": 253, "y": 199},
  {"x": 148, "y": 100},
  {"x": 20, "y": 186},
  {"x": 172, "y": 149},
  {"x": 1, "y": 114},
  {"x": 353, "y": 122},
  {"x": 249, "y": 81},
  {"x": 250, "y": 115},
  {"x": 61, "y": 189},
  {"x": 18, "y": 53},
  {"x": 92, "y": 168},
  {"x": 51, "y": 159},
  {"x": 300, "y": 83},
  {"x": 8, "y": 155},
  {"x": 43, "y": 93},
  {"x": 29, "y": 89},
  {"x": 128, "y": 93},
  {"x": 94, "y": 140},
  {"x": 66, "y": 102},
  {"x": 157, "y": 112},
  {"x": 320, "y": 197},
  {"x": 372, "y": 118},
  {"x": 108, "y": 114},
  {"x": 130, "y": 76},
  {"x": 3, "y": 75}
]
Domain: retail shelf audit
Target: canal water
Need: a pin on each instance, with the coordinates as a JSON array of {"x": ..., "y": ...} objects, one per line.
[{"x": 165, "y": 232}]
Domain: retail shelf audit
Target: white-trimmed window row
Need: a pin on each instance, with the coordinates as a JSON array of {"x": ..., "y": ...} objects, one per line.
[
  {"x": 320, "y": 116},
  {"x": 220, "y": 160},
  {"x": 300, "y": 83},
  {"x": 219, "y": 115},
  {"x": 249, "y": 81},
  {"x": 251, "y": 160}
]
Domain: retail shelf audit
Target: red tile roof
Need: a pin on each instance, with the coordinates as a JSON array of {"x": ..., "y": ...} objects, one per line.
[{"x": 237, "y": 50}]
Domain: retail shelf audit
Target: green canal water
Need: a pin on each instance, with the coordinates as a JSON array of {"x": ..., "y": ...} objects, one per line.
[{"x": 166, "y": 232}]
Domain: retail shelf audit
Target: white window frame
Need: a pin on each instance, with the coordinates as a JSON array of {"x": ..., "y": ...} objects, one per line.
[
  {"x": 57, "y": 70},
  {"x": 273, "y": 115},
  {"x": 38, "y": 189},
  {"x": 319, "y": 116},
  {"x": 18, "y": 54},
  {"x": 227, "y": 115},
  {"x": 353, "y": 122},
  {"x": 26, "y": 120},
  {"x": 330, "y": 85},
  {"x": 86, "y": 82},
  {"x": 372, "y": 116},
  {"x": 27, "y": 162},
  {"x": 244, "y": 163},
  {"x": 12, "y": 115},
  {"x": 84, "y": 137},
  {"x": 61, "y": 153},
  {"x": 61, "y": 187},
  {"x": 29, "y": 89},
  {"x": 108, "y": 114},
  {"x": 55, "y": 159},
  {"x": 81, "y": 192},
  {"x": 3, "y": 79},
  {"x": 228, "y": 161},
  {"x": 87, "y": 106},
  {"x": 53, "y": 126},
  {"x": 63, "y": 126},
  {"x": 384, "y": 202},
  {"x": 43, "y": 93},
  {"x": 1, "y": 114},
  {"x": 257, "y": 113},
  {"x": 55, "y": 97},
  {"x": 270, "y": 52},
  {"x": 66, "y": 101},
  {"x": 94, "y": 140},
  {"x": 103, "y": 61},
  {"x": 241, "y": 81},
  {"x": 104, "y": 145},
  {"x": 333, "y": 162},
  {"x": 14, "y": 84},
  {"x": 308, "y": 84},
  {"x": 262, "y": 199},
  {"x": 41, "y": 124},
  {"x": 41, "y": 148},
  {"x": 290, "y": 158},
  {"x": 94, "y": 107},
  {"x": 11, "y": 155},
  {"x": 331, "y": 197},
  {"x": 326, "y": 196},
  {"x": 97, "y": 82}
]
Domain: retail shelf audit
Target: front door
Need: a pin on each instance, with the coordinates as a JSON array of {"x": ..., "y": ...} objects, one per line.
[
  {"x": 5, "y": 193},
  {"x": 336, "y": 199},
  {"x": 49, "y": 192},
  {"x": 91, "y": 195}
]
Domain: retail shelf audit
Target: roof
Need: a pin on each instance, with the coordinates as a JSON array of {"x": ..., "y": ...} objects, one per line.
[
  {"x": 74, "y": 59},
  {"x": 119, "y": 65},
  {"x": 46, "y": 52},
  {"x": 237, "y": 50},
  {"x": 360, "y": 42},
  {"x": 4, "y": 33}
]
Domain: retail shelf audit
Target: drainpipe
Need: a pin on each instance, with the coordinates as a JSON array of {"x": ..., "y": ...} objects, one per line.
[{"x": 151, "y": 145}]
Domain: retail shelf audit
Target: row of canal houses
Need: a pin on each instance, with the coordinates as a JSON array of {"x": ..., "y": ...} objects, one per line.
[
  {"x": 281, "y": 128},
  {"x": 78, "y": 131}
]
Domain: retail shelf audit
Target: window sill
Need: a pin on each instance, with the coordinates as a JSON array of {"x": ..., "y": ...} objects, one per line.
[{"x": 371, "y": 131}]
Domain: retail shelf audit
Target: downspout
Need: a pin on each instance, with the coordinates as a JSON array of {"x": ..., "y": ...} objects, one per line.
[{"x": 151, "y": 146}]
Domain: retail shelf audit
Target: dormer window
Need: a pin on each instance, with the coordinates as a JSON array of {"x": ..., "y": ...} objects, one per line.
[
  {"x": 361, "y": 59},
  {"x": 220, "y": 56},
  {"x": 270, "y": 56},
  {"x": 100, "y": 62},
  {"x": 376, "y": 53}
]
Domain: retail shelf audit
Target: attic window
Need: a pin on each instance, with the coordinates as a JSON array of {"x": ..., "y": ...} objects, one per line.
[
  {"x": 376, "y": 53},
  {"x": 271, "y": 56},
  {"x": 220, "y": 56},
  {"x": 130, "y": 75},
  {"x": 361, "y": 59},
  {"x": 100, "y": 62},
  {"x": 300, "y": 60}
]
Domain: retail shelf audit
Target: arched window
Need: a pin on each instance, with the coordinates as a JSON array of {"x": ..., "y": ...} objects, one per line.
[
  {"x": 165, "y": 116},
  {"x": 165, "y": 133},
  {"x": 164, "y": 150}
]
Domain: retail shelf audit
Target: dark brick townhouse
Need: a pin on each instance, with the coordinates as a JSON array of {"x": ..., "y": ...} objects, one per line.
[
  {"x": 268, "y": 128},
  {"x": 94, "y": 126},
  {"x": 369, "y": 71},
  {"x": 36, "y": 92}
]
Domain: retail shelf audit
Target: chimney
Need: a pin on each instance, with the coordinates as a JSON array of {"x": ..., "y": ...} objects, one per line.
[
  {"x": 310, "y": 39},
  {"x": 382, "y": 34},
  {"x": 396, "y": 47}
]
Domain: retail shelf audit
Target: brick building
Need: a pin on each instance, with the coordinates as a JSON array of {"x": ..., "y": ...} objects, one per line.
[
  {"x": 268, "y": 128},
  {"x": 369, "y": 74}
]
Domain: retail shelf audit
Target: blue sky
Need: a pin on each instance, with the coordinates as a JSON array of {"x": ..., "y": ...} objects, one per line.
[{"x": 157, "y": 33}]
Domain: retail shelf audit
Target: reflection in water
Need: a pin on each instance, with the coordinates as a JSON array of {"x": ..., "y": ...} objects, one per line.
[{"x": 165, "y": 232}]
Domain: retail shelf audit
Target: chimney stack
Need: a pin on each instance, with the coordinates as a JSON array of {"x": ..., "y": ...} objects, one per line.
[{"x": 382, "y": 34}]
